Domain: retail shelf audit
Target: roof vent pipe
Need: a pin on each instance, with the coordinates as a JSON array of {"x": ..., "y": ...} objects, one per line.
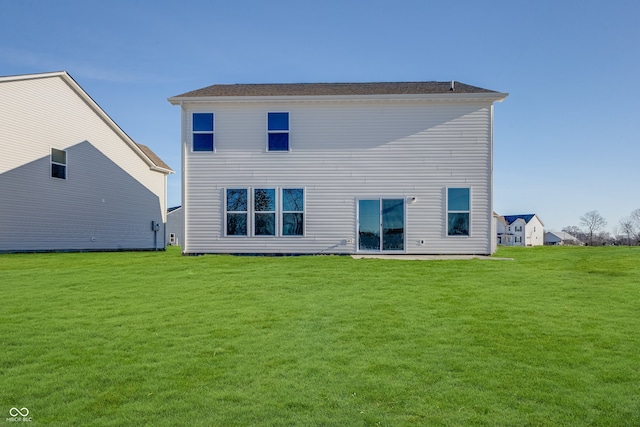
[{"x": 453, "y": 85}]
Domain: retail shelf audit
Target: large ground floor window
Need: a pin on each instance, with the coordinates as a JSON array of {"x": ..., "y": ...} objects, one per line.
[
  {"x": 264, "y": 212},
  {"x": 381, "y": 225}
]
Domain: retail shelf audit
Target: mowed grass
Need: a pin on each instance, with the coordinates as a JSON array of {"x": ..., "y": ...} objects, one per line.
[{"x": 111, "y": 339}]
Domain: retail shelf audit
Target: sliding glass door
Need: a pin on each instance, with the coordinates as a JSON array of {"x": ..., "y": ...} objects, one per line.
[{"x": 381, "y": 225}]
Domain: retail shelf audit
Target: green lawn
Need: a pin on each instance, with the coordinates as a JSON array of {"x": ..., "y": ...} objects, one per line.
[{"x": 112, "y": 339}]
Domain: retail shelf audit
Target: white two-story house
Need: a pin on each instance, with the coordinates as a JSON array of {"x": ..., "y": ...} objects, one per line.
[
  {"x": 345, "y": 168},
  {"x": 520, "y": 230},
  {"x": 70, "y": 178}
]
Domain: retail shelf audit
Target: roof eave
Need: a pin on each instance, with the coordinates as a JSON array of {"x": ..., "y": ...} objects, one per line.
[
  {"x": 485, "y": 97},
  {"x": 33, "y": 76},
  {"x": 162, "y": 170},
  {"x": 107, "y": 119}
]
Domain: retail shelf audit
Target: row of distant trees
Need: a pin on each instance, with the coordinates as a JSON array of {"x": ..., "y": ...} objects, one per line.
[{"x": 592, "y": 230}]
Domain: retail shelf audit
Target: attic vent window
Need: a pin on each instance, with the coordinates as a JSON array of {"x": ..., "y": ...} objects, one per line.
[{"x": 58, "y": 164}]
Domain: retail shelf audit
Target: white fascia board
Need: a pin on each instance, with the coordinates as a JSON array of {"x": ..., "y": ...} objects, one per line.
[
  {"x": 20, "y": 77},
  {"x": 109, "y": 121},
  {"x": 484, "y": 97}
]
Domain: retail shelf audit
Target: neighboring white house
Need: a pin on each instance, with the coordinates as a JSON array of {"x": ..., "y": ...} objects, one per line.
[
  {"x": 520, "y": 230},
  {"x": 70, "y": 178},
  {"x": 560, "y": 238},
  {"x": 175, "y": 226},
  {"x": 338, "y": 168}
]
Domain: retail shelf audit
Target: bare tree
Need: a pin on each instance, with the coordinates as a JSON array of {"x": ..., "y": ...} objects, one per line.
[
  {"x": 592, "y": 222},
  {"x": 575, "y": 231},
  {"x": 635, "y": 218},
  {"x": 627, "y": 227},
  {"x": 604, "y": 238},
  {"x": 615, "y": 234}
]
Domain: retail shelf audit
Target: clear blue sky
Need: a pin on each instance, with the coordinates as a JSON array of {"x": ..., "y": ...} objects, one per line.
[{"x": 567, "y": 139}]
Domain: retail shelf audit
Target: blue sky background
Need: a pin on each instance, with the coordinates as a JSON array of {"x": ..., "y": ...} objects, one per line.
[{"x": 567, "y": 139}]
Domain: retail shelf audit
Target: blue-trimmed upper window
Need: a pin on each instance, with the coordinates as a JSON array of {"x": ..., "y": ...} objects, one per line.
[
  {"x": 278, "y": 131},
  {"x": 202, "y": 127}
]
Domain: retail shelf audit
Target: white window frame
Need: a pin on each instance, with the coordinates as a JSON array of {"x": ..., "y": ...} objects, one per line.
[
  {"x": 274, "y": 212},
  {"x": 247, "y": 212},
  {"x": 288, "y": 131},
  {"x": 65, "y": 164},
  {"x": 448, "y": 211},
  {"x": 278, "y": 212},
  {"x": 202, "y": 132},
  {"x": 282, "y": 212}
]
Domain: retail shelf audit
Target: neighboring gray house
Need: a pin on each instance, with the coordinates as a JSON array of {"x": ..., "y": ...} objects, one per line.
[
  {"x": 344, "y": 168},
  {"x": 560, "y": 238},
  {"x": 70, "y": 178},
  {"x": 175, "y": 226}
]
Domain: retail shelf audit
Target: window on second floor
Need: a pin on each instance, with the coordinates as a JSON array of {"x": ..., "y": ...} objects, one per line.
[
  {"x": 202, "y": 129},
  {"x": 277, "y": 131}
]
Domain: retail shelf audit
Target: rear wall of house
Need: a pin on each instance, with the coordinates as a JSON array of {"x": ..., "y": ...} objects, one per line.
[{"x": 341, "y": 152}]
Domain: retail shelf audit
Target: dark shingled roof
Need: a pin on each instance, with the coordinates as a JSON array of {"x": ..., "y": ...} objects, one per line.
[
  {"x": 511, "y": 218},
  {"x": 153, "y": 157},
  {"x": 329, "y": 89}
]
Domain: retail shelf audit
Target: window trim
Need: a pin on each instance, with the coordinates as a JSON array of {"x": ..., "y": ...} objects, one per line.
[
  {"x": 282, "y": 212},
  {"x": 226, "y": 212},
  {"x": 279, "y": 131},
  {"x": 278, "y": 212},
  {"x": 52, "y": 163},
  {"x": 204, "y": 132},
  {"x": 274, "y": 212},
  {"x": 450, "y": 211}
]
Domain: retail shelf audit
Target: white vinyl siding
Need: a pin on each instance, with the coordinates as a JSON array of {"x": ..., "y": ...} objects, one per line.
[
  {"x": 345, "y": 151},
  {"x": 534, "y": 232},
  {"x": 111, "y": 195}
]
